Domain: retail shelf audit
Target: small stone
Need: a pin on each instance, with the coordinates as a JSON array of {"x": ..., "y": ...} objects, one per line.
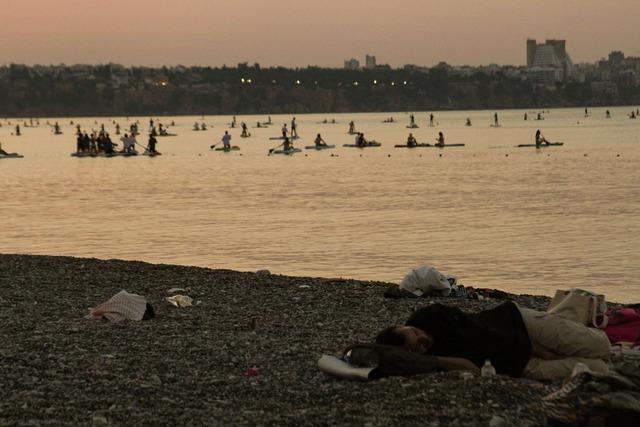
[
  {"x": 497, "y": 421},
  {"x": 263, "y": 272}
]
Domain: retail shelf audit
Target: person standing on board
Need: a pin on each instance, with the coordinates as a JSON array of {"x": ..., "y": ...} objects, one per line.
[
  {"x": 294, "y": 131},
  {"x": 352, "y": 128},
  {"x": 431, "y": 120},
  {"x": 526, "y": 117},
  {"x": 285, "y": 131},
  {"x": 226, "y": 141},
  {"x": 495, "y": 120},
  {"x": 18, "y": 130},
  {"x": 440, "y": 140},
  {"x": 151, "y": 146}
]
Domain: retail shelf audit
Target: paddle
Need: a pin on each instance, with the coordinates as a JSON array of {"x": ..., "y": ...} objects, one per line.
[{"x": 274, "y": 148}]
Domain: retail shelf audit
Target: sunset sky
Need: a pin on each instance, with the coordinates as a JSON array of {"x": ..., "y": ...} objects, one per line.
[{"x": 300, "y": 33}]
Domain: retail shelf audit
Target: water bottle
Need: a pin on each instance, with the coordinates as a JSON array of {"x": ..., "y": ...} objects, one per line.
[{"x": 487, "y": 369}]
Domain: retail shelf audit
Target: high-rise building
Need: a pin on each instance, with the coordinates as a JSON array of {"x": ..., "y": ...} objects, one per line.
[
  {"x": 370, "y": 62},
  {"x": 351, "y": 64},
  {"x": 548, "y": 62}
]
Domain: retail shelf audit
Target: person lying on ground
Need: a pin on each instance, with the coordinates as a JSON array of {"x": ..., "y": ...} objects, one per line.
[{"x": 517, "y": 341}]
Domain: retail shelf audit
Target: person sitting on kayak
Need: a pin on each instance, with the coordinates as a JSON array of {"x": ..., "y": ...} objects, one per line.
[
  {"x": 468, "y": 123},
  {"x": 320, "y": 142},
  {"x": 360, "y": 140},
  {"x": 226, "y": 141},
  {"x": 287, "y": 145},
  {"x": 196, "y": 126},
  {"x": 411, "y": 141},
  {"x": 540, "y": 139},
  {"x": 151, "y": 146},
  {"x": 440, "y": 140}
]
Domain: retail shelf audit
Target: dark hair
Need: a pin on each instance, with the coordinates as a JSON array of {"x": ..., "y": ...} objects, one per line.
[{"x": 389, "y": 336}]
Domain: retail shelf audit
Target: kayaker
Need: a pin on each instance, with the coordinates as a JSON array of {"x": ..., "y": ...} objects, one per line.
[
  {"x": 226, "y": 141},
  {"x": 411, "y": 141},
  {"x": 360, "y": 140},
  {"x": 352, "y": 128},
  {"x": 495, "y": 120},
  {"x": 18, "y": 130},
  {"x": 294, "y": 128},
  {"x": 526, "y": 117},
  {"x": 196, "y": 126},
  {"x": 468, "y": 123},
  {"x": 320, "y": 142},
  {"x": 151, "y": 146},
  {"x": 285, "y": 131},
  {"x": 440, "y": 140},
  {"x": 286, "y": 145},
  {"x": 540, "y": 139},
  {"x": 244, "y": 129},
  {"x": 412, "y": 120},
  {"x": 430, "y": 119}
]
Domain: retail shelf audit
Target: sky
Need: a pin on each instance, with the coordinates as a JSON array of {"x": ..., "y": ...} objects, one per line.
[{"x": 299, "y": 33}]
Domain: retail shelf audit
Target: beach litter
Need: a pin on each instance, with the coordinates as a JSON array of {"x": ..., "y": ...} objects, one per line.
[
  {"x": 121, "y": 306},
  {"x": 180, "y": 300},
  {"x": 174, "y": 290}
]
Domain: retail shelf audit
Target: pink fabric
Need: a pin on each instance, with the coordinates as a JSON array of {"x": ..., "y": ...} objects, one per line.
[
  {"x": 624, "y": 325},
  {"x": 121, "y": 306}
]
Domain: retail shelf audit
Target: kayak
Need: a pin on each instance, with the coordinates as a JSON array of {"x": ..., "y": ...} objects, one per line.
[
  {"x": 245, "y": 136},
  {"x": 552, "y": 144},
  {"x": 413, "y": 127},
  {"x": 11, "y": 156},
  {"x": 429, "y": 145},
  {"x": 368, "y": 144},
  {"x": 274, "y": 138},
  {"x": 289, "y": 151},
  {"x": 166, "y": 134},
  {"x": 233, "y": 148},
  {"x": 115, "y": 154},
  {"x": 413, "y": 146},
  {"x": 319, "y": 147},
  {"x": 150, "y": 154}
]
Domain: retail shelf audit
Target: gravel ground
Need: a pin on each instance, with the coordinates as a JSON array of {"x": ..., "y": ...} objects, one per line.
[{"x": 188, "y": 365}]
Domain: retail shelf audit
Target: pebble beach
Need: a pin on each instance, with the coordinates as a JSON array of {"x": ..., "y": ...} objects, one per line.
[{"x": 244, "y": 354}]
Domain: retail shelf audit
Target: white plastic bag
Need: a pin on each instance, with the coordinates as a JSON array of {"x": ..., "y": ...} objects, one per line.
[{"x": 426, "y": 280}]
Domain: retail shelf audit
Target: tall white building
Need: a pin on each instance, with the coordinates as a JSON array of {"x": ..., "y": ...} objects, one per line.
[{"x": 548, "y": 62}]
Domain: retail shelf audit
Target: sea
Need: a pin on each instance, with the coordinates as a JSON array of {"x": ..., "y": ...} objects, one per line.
[{"x": 494, "y": 215}]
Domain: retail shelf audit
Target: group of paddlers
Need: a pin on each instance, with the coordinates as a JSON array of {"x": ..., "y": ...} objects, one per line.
[{"x": 101, "y": 142}]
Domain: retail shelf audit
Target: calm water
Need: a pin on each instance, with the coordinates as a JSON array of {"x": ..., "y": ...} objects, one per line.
[{"x": 518, "y": 219}]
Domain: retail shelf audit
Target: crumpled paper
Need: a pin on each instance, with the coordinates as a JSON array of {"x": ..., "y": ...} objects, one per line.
[{"x": 180, "y": 300}]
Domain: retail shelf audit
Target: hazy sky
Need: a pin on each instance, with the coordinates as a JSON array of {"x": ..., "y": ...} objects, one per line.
[{"x": 300, "y": 33}]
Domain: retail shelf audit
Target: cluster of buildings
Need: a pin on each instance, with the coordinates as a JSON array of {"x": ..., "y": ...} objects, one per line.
[
  {"x": 354, "y": 64},
  {"x": 547, "y": 64}
]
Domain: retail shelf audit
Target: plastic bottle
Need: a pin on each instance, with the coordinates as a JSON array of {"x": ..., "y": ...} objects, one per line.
[{"x": 487, "y": 369}]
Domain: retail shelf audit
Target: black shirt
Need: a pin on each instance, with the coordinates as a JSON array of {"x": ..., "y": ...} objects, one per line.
[{"x": 498, "y": 334}]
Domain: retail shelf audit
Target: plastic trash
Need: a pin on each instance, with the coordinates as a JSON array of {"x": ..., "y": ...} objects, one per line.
[
  {"x": 180, "y": 300},
  {"x": 487, "y": 369},
  {"x": 173, "y": 290}
]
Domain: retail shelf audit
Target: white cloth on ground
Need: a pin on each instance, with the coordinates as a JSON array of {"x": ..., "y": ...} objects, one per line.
[{"x": 121, "y": 306}]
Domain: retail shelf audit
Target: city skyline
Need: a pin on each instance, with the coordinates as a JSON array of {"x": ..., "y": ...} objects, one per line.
[{"x": 295, "y": 34}]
